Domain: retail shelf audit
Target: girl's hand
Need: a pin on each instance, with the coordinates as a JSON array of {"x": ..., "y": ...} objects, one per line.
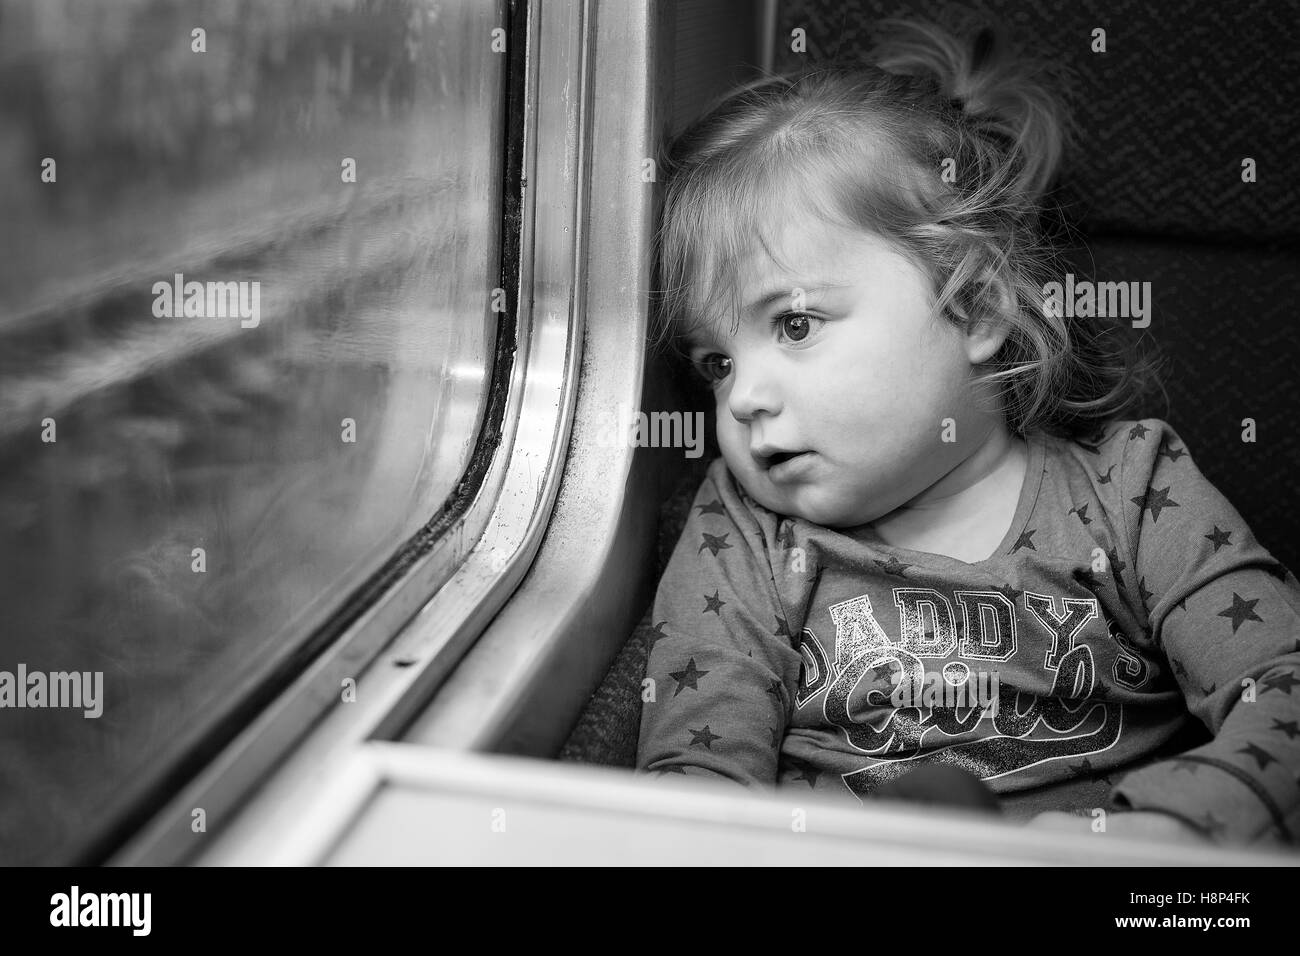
[{"x": 1144, "y": 825}]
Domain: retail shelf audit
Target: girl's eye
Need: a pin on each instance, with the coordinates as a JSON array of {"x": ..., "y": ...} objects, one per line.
[
  {"x": 714, "y": 367},
  {"x": 795, "y": 325}
]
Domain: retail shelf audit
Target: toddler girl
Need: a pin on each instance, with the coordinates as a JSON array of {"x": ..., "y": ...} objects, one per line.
[{"x": 934, "y": 538}]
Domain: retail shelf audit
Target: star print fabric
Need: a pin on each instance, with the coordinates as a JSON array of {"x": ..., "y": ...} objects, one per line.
[
  {"x": 1127, "y": 601},
  {"x": 723, "y": 664},
  {"x": 1227, "y": 618}
]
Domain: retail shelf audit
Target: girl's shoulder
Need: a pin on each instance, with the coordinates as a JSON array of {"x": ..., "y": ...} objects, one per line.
[
  {"x": 1145, "y": 478},
  {"x": 729, "y": 493},
  {"x": 720, "y": 500},
  {"x": 1125, "y": 464},
  {"x": 1122, "y": 446}
]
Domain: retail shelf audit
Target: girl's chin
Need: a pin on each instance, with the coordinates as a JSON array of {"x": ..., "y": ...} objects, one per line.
[
  {"x": 796, "y": 505},
  {"x": 824, "y": 513}
]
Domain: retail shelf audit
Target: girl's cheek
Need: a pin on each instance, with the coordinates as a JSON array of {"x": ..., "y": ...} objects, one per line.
[{"x": 733, "y": 449}]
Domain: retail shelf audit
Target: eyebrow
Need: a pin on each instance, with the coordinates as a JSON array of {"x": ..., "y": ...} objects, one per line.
[
  {"x": 693, "y": 339},
  {"x": 787, "y": 292}
]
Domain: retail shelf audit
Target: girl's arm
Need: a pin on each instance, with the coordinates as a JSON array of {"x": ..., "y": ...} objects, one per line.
[
  {"x": 720, "y": 675},
  {"x": 1226, "y": 615}
]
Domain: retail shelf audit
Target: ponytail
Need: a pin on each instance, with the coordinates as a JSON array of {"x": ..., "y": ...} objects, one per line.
[{"x": 1001, "y": 95}]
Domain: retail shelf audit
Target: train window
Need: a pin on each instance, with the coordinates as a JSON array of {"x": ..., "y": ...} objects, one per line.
[{"x": 250, "y": 297}]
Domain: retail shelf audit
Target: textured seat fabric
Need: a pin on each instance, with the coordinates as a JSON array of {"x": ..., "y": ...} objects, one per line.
[{"x": 1166, "y": 115}]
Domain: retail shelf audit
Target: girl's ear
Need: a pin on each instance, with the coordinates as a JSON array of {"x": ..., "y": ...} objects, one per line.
[{"x": 997, "y": 304}]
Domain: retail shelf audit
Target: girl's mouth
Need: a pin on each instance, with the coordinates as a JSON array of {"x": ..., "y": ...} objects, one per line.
[
  {"x": 786, "y": 463},
  {"x": 782, "y": 456}
]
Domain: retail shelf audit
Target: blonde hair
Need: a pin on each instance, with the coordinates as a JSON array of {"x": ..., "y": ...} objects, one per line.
[{"x": 867, "y": 148}]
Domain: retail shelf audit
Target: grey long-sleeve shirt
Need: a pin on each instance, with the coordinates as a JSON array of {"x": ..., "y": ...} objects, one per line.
[{"x": 1127, "y": 599}]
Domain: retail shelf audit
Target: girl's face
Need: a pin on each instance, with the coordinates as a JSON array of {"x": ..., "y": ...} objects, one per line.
[{"x": 857, "y": 378}]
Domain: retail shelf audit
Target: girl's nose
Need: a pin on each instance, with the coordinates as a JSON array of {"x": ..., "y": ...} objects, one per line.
[{"x": 754, "y": 389}]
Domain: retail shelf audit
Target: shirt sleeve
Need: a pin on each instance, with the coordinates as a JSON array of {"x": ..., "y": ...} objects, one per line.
[
  {"x": 1226, "y": 615},
  {"x": 722, "y": 669}
]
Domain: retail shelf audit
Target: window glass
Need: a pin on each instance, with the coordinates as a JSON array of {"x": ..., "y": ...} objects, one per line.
[{"x": 247, "y": 254}]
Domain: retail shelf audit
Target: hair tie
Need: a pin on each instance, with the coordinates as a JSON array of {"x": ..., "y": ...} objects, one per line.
[{"x": 983, "y": 47}]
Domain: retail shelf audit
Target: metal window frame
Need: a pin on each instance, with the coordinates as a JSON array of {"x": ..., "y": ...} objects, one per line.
[
  {"x": 522, "y": 687},
  {"x": 479, "y": 549}
]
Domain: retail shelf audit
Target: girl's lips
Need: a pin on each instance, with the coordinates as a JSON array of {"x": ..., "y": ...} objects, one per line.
[{"x": 790, "y": 467}]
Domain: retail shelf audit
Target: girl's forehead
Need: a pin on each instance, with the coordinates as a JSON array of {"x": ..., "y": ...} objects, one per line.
[
  {"x": 801, "y": 249},
  {"x": 778, "y": 260},
  {"x": 778, "y": 224}
]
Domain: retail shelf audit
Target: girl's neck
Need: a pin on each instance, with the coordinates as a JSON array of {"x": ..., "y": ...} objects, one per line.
[{"x": 968, "y": 512}]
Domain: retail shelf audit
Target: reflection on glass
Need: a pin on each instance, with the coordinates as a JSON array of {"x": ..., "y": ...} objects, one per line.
[{"x": 247, "y": 253}]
